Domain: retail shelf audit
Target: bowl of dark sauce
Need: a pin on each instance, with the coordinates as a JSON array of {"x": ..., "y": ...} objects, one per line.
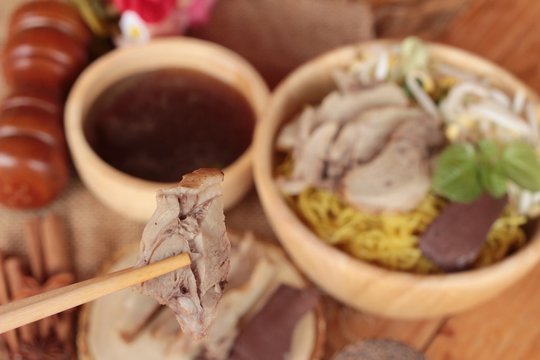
[{"x": 139, "y": 118}]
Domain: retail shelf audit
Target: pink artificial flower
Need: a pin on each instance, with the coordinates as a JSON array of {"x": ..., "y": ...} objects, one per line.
[
  {"x": 151, "y": 11},
  {"x": 198, "y": 11}
]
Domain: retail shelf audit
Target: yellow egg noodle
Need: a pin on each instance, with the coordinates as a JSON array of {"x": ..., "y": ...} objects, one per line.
[{"x": 391, "y": 240}]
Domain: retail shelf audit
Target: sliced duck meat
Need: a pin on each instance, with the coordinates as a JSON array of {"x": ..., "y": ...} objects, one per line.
[
  {"x": 362, "y": 138},
  {"x": 455, "y": 238},
  {"x": 189, "y": 219},
  {"x": 345, "y": 82},
  {"x": 268, "y": 335},
  {"x": 296, "y": 131},
  {"x": 341, "y": 108},
  {"x": 310, "y": 161},
  {"x": 399, "y": 177},
  {"x": 291, "y": 186},
  {"x": 338, "y": 107},
  {"x": 424, "y": 131}
]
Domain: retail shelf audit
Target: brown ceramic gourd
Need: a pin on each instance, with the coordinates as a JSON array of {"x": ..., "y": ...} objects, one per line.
[
  {"x": 43, "y": 43},
  {"x": 50, "y": 14},
  {"x": 24, "y": 73},
  {"x": 45, "y": 101},
  {"x": 45, "y": 51},
  {"x": 32, "y": 121},
  {"x": 32, "y": 173}
]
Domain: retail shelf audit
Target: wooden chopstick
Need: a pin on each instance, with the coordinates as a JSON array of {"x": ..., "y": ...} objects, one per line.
[{"x": 25, "y": 311}]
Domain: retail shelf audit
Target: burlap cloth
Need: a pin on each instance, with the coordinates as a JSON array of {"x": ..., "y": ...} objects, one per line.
[{"x": 278, "y": 35}]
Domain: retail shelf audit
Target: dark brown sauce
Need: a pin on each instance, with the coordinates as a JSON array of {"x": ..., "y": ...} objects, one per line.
[{"x": 162, "y": 124}]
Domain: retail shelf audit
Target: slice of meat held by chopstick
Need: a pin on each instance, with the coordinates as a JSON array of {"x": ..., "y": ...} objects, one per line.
[
  {"x": 189, "y": 219},
  {"x": 455, "y": 238}
]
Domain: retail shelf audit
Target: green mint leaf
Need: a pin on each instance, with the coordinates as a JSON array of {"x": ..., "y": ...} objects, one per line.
[
  {"x": 489, "y": 151},
  {"x": 520, "y": 164},
  {"x": 456, "y": 174},
  {"x": 491, "y": 174},
  {"x": 493, "y": 180}
]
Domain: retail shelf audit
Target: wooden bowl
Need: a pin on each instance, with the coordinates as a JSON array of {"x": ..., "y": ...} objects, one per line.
[
  {"x": 354, "y": 282},
  {"x": 131, "y": 196}
]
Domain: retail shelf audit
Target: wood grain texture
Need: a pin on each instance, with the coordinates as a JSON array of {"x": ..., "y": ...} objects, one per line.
[
  {"x": 504, "y": 31},
  {"x": 425, "y": 18},
  {"x": 346, "y": 326},
  {"x": 505, "y": 328}
]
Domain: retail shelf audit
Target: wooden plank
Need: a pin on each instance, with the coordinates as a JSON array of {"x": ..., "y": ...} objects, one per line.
[
  {"x": 504, "y": 328},
  {"x": 506, "y": 32},
  {"x": 345, "y": 325}
]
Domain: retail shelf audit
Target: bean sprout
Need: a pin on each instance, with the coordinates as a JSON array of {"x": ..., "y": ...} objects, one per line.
[
  {"x": 497, "y": 114},
  {"x": 382, "y": 67},
  {"x": 500, "y": 97},
  {"x": 423, "y": 99},
  {"x": 518, "y": 104},
  {"x": 532, "y": 119},
  {"x": 454, "y": 104}
]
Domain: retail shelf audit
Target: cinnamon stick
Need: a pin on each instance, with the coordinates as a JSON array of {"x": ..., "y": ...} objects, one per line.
[
  {"x": 34, "y": 247},
  {"x": 10, "y": 336},
  {"x": 15, "y": 279},
  {"x": 55, "y": 247},
  {"x": 61, "y": 323},
  {"x": 32, "y": 235},
  {"x": 57, "y": 260}
]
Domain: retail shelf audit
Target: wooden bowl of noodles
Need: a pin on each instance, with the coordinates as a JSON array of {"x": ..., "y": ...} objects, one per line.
[{"x": 361, "y": 284}]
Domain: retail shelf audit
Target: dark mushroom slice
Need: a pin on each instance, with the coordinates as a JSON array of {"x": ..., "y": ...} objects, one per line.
[
  {"x": 455, "y": 238},
  {"x": 398, "y": 178},
  {"x": 268, "y": 335}
]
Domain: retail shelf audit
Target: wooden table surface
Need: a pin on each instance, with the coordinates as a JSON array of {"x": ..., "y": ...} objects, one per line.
[{"x": 508, "y": 33}]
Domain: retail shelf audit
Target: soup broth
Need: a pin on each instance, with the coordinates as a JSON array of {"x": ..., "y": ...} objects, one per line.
[{"x": 161, "y": 124}]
